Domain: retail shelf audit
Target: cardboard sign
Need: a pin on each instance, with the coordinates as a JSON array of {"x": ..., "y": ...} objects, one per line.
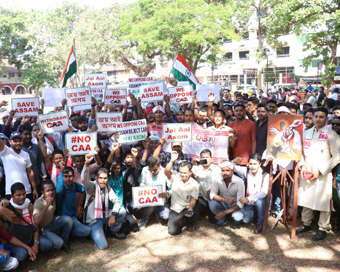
[
  {"x": 132, "y": 131},
  {"x": 177, "y": 132},
  {"x": 98, "y": 94},
  {"x": 147, "y": 196},
  {"x": 97, "y": 82},
  {"x": 53, "y": 97},
  {"x": 118, "y": 86},
  {"x": 204, "y": 89},
  {"x": 151, "y": 92},
  {"x": 81, "y": 143},
  {"x": 182, "y": 94},
  {"x": 136, "y": 82},
  {"x": 115, "y": 97},
  {"x": 182, "y": 83},
  {"x": 78, "y": 96},
  {"x": 53, "y": 122},
  {"x": 107, "y": 121},
  {"x": 284, "y": 138},
  {"x": 25, "y": 106}
]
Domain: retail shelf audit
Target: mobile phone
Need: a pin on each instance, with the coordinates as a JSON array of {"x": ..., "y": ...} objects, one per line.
[
  {"x": 201, "y": 162},
  {"x": 191, "y": 213}
]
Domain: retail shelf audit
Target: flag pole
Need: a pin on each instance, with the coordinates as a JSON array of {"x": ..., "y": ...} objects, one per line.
[
  {"x": 172, "y": 67},
  {"x": 74, "y": 52}
]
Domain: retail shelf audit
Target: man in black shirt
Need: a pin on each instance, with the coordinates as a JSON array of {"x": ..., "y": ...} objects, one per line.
[
  {"x": 322, "y": 96},
  {"x": 261, "y": 128}
]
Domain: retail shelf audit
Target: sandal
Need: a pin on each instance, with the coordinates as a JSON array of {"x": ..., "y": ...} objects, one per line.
[
  {"x": 66, "y": 248},
  {"x": 336, "y": 241},
  {"x": 192, "y": 229}
]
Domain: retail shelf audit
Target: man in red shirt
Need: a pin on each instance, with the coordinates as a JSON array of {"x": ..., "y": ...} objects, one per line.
[{"x": 155, "y": 128}]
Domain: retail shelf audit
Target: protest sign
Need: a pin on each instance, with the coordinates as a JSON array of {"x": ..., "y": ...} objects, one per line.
[
  {"x": 182, "y": 94},
  {"x": 204, "y": 89},
  {"x": 182, "y": 83},
  {"x": 53, "y": 97},
  {"x": 78, "y": 96},
  {"x": 107, "y": 121},
  {"x": 97, "y": 82},
  {"x": 177, "y": 132},
  {"x": 284, "y": 138},
  {"x": 118, "y": 86},
  {"x": 23, "y": 106},
  {"x": 132, "y": 131},
  {"x": 147, "y": 196},
  {"x": 136, "y": 82},
  {"x": 151, "y": 92},
  {"x": 115, "y": 97},
  {"x": 53, "y": 122},
  {"x": 215, "y": 141},
  {"x": 81, "y": 143}
]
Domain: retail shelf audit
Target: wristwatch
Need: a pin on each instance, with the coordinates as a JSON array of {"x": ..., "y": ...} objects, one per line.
[
  {"x": 36, "y": 241},
  {"x": 113, "y": 213}
]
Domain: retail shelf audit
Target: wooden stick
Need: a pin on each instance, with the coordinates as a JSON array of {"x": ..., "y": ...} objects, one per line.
[
  {"x": 295, "y": 206},
  {"x": 265, "y": 221}
]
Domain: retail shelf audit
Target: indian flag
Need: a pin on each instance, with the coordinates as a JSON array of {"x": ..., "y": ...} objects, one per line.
[
  {"x": 182, "y": 71},
  {"x": 69, "y": 69}
]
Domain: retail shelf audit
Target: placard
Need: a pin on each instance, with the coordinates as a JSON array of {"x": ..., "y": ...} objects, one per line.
[
  {"x": 177, "y": 132},
  {"x": 53, "y": 97},
  {"x": 151, "y": 92},
  {"x": 181, "y": 94},
  {"x": 136, "y": 82},
  {"x": 147, "y": 196},
  {"x": 118, "y": 86},
  {"x": 53, "y": 122},
  {"x": 115, "y": 97},
  {"x": 182, "y": 83},
  {"x": 107, "y": 121},
  {"x": 98, "y": 94},
  {"x": 25, "y": 106},
  {"x": 81, "y": 143},
  {"x": 97, "y": 82},
  {"x": 132, "y": 131},
  {"x": 78, "y": 96},
  {"x": 204, "y": 89}
]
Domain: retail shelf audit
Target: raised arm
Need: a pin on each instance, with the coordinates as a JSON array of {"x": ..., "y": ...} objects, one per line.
[
  {"x": 146, "y": 149},
  {"x": 140, "y": 109},
  {"x": 134, "y": 153},
  {"x": 167, "y": 170},
  {"x": 212, "y": 98},
  {"x": 85, "y": 173},
  {"x": 159, "y": 148},
  {"x": 167, "y": 105}
]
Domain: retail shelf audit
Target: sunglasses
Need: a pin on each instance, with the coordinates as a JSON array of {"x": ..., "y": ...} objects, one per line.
[{"x": 335, "y": 124}]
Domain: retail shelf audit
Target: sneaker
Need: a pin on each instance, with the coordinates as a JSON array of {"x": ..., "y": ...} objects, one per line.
[
  {"x": 319, "y": 235},
  {"x": 220, "y": 224},
  {"x": 258, "y": 229},
  {"x": 142, "y": 224},
  {"x": 117, "y": 235}
]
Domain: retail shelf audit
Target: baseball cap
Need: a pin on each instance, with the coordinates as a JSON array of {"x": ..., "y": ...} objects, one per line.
[{"x": 15, "y": 135}]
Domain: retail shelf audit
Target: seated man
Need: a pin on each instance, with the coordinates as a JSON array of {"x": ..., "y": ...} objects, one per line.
[
  {"x": 152, "y": 175},
  {"x": 99, "y": 196},
  {"x": 66, "y": 195},
  {"x": 257, "y": 182},
  {"x": 185, "y": 192},
  {"x": 43, "y": 214},
  {"x": 225, "y": 195}
]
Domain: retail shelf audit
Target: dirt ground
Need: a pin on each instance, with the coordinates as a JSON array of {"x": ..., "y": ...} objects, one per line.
[{"x": 207, "y": 249}]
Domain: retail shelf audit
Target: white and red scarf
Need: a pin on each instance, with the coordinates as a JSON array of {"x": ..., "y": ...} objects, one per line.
[
  {"x": 24, "y": 211},
  {"x": 308, "y": 148},
  {"x": 98, "y": 206},
  {"x": 254, "y": 184}
]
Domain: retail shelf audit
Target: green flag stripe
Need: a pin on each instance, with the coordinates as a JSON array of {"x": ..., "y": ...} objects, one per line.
[
  {"x": 71, "y": 71},
  {"x": 180, "y": 77}
]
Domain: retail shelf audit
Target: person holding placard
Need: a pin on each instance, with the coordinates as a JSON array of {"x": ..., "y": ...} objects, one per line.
[{"x": 155, "y": 128}]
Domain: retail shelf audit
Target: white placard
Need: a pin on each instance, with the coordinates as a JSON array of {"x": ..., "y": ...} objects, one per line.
[
  {"x": 151, "y": 92},
  {"x": 95, "y": 80},
  {"x": 98, "y": 93},
  {"x": 25, "y": 106},
  {"x": 118, "y": 86},
  {"x": 53, "y": 122},
  {"x": 115, "y": 97},
  {"x": 107, "y": 121},
  {"x": 81, "y": 143},
  {"x": 204, "y": 89},
  {"x": 181, "y": 94},
  {"x": 183, "y": 83},
  {"x": 147, "y": 196},
  {"x": 132, "y": 131},
  {"x": 78, "y": 96},
  {"x": 136, "y": 82},
  {"x": 177, "y": 132},
  {"x": 53, "y": 97}
]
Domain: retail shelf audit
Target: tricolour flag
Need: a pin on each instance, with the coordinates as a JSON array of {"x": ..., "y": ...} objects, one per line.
[
  {"x": 182, "y": 71},
  {"x": 69, "y": 69}
]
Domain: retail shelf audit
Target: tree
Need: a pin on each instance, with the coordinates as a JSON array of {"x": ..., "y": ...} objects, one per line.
[{"x": 195, "y": 28}]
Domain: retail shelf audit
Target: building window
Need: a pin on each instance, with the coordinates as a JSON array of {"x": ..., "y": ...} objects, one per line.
[
  {"x": 245, "y": 36},
  {"x": 11, "y": 75},
  {"x": 4, "y": 76},
  {"x": 228, "y": 56},
  {"x": 283, "y": 52},
  {"x": 314, "y": 63},
  {"x": 228, "y": 41},
  {"x": 19, "y": 75},
  {"x": 243, "y": 55}
]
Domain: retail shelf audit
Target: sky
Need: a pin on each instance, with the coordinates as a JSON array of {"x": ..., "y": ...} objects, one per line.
[{"x": 45, "y": 4}]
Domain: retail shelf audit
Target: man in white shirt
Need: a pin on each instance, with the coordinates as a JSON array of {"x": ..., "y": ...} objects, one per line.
[
  {"x": 17, "y": 166},
  {"x": 311, "y": 99}
]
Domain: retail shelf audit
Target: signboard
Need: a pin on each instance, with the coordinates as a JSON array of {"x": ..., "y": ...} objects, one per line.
[
  {"x": 81, "y": 143},
  {"x": 115, "y": 97},
  {"x": 147, "y": 196},
  {"x": 107, "y": 121},
  {"x": 25, "y": 106},
  {"x": 182, "y": 94},
  {"x": 97, "y": 82},
  {"x": 177, "y": 132},
  {"x": 132, "y": 131},
  {"x": 118, "y": 86},
  {"x": 151, "y": 92},
  {"x": 136, "y": 82},
  {"x": 53, "y": 122},
  {"x": 204, "y": 89},
  {"x": 53, "y": 97},
  {"x": 78, "y": 96},
  {"x": 183, "y": 83}
]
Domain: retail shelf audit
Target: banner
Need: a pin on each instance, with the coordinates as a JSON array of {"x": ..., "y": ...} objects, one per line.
[
  {"x": 182, "y": 94},
  {"x": 136, "y": 82},
  {"x": 97, "y": 82},
  {"x": 53, "y": 97},
  {"x": 147, "y": 196},
  {"x": 151, "y": 92},
  {"x": 182, "y": 83},
  {"x": 215, "y": 141},
  {"x": 115, "y": 97},
  {"x": 107, "y": 121},
  {"x": 81, "y": 143},
  {"x": 132, "y": 131},
  {"x": 118, "y": 86},
  {"x": 53, "y": 122},
  {"x": 177, "y": 132},
  {"x": 78, "y": 96},
  {"x": 25, "y": 106},
  {"x": 204, "y": 89}
]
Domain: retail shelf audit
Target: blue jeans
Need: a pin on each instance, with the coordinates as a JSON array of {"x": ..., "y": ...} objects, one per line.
[
  {"x": 163, "y": 212},
  {"x": 16, "y": 251},
  {"x": 97, "y": 233},
  {"x": 10, "y": 264},
  {"x": 63, "y": 224},
  {"x": 217, "y": 207},
  {"x": 338, "y": 187},
  {"x": 249, "y": 211},
  {"x": 79, "y": 229}
]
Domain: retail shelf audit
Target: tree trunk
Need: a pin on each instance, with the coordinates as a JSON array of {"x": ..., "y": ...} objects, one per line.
[
  {"x": 140, "y": 71},
  {"x": 259, "y": 48},
  {"x": 334, "y": 46}
]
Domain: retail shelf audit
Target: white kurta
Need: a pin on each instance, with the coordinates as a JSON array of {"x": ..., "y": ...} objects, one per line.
[{"x": 320, "y": 152}]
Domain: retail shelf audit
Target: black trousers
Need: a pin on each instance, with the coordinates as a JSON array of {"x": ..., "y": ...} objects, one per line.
[
  {"x": 176, "y": 220},
  {"x": 202, "y": 207}
]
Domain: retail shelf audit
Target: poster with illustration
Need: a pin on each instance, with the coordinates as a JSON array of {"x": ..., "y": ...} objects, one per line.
[{"x": 284, "y": 136}]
